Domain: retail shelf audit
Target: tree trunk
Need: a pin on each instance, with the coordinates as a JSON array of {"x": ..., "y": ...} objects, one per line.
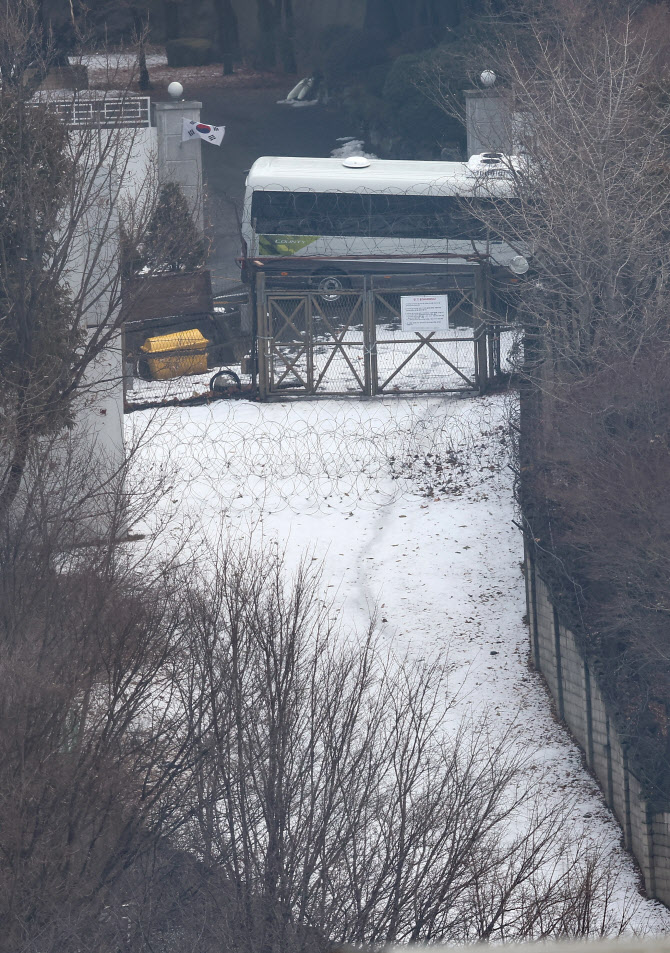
[
  {"x": 141, "y": 31},
  {"x": 227, "y": 32},
  {"x": 288, "y": 38},
  {"x": 144, "y": 81},
  {"x": 276, "y": 34},
  {"x": 14, "y": 475}
]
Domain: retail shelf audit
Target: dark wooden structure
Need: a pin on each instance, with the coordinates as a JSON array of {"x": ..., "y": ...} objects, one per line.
[{"x": 173, "y": 293}]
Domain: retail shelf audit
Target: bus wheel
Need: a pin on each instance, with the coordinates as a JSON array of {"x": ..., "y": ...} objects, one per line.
[{"x": 330, "y": 284}]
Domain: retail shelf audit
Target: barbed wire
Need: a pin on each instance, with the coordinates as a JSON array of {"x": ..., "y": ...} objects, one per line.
[{"x": 321, "y": 455}]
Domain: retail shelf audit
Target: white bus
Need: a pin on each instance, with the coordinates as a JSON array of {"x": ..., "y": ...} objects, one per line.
[{"x": 326, "y": 219}]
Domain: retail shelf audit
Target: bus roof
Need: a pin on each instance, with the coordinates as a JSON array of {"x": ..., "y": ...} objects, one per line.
[{"x": 394, "y": 176}]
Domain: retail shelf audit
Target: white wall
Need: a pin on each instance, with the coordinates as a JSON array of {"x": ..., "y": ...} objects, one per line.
[{"x": 122, "y": 185}]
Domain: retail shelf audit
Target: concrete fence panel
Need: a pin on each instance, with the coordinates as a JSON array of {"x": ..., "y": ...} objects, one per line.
[{"x": 579, "y": 701}]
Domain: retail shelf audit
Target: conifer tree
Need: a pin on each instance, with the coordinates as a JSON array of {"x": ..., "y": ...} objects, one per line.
[{"x": 173, "y": 242}]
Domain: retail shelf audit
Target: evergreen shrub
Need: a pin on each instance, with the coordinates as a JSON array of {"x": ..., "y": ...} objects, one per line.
[{"x": 172, "y": 241}]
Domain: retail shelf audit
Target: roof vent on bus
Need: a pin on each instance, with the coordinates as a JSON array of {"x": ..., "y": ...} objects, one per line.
[
  {"x": 485, "y": 161},
  {"x": 356, "y": 162}
]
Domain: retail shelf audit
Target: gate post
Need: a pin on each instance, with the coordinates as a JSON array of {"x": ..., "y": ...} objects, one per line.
[
  {"x": 309, "y": 335},
  {"x": 369, "y": 341},
  {"x": 262, "y": 337},
  {"x": 492, "y": 330},
  {"x": 493, "y": 335},
  {"x": 479, "y": 329}
]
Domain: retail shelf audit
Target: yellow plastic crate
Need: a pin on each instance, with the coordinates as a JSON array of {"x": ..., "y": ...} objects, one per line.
[{"x": 176, "y": 355}]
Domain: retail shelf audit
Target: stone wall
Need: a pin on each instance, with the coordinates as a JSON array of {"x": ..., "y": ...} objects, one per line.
[
  {"x": 487, "y": 121},
  {"x": 579, "y": 703},
  {"x": 178, "y": 161}
]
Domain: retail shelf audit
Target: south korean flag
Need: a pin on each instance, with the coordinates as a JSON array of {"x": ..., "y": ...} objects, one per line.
[{"x": 193, "y": 130}]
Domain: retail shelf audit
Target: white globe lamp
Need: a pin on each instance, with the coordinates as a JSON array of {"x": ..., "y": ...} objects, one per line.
[
  {"x": 488, "y": 78},
  {"x": 519, "y": 265},
  {"x": 175, "y": 90}
]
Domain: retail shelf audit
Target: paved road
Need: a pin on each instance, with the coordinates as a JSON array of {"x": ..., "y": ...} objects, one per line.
[{"x": 255, "y": 126}]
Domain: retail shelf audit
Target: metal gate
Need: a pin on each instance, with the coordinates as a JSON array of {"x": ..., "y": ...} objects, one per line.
[{"x": 352, "y": 341}]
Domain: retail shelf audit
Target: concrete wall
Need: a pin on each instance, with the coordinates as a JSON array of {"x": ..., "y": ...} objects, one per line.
[
  {"x": 487, "y": 121},
  {"x": 179, "y": 161},
  {"x": 579, "y": 703},
  {"x": 138, "y": 161},
  {"x": 125, "y": 176}
]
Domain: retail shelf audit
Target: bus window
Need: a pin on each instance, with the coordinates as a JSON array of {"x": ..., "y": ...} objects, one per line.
[
  {"x": 423, "y": 216},
  {"x": 310, "y": 213},
  {"x": 364, "y": 215}
]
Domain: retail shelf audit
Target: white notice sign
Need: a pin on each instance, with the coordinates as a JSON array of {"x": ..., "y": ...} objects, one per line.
[{"x": 424, "y": 313}]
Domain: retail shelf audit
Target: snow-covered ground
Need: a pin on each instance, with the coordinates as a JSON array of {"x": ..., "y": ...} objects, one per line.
[
  {"x": 115, "y": 61},
  {"x": 408, "y": 504}
]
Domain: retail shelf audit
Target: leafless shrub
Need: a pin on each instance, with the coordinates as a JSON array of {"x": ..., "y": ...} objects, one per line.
[
  {"x": 95, "y": 753},
  {"x": 594, "y": 203},
  {"x": 339, "y": 801},
  {"x": 197, "y": 758}
]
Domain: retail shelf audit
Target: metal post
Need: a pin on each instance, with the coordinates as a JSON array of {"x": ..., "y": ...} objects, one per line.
[
  {"x": 369, "y": 340},
  {"x": 262, "y": 337},
  {"x": 493, "y": 341},
  {"x": 479, "y": 328},
  {"x": 492, "y": 330},
  {"x": 309, "y": 334}
]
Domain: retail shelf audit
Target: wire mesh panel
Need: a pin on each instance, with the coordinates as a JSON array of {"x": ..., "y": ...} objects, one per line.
[
  {"x": 187, "y": 358},
  {"x": 347, "y": 338},
  {"x": 374, "y": 334},
  {"x": 338, "y": 324},
  {"x": 290, "y": 352},
  {"x": 316, "y": 343},
  {"x": 425, "y": 338}
]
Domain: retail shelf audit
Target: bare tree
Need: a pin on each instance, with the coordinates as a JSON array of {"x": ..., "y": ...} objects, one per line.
[
  {"x": 276, "y": 34},
  {"x": 227, "y": 33},
  {"x": 339, "y": 803},
  {"x": 588, "y": 106},
  {"x": 197, "y": 759},
  {"x": 66, "y": 189},
  {"x": 594, "y": 202},
  {"x": 96, "y": 754}
]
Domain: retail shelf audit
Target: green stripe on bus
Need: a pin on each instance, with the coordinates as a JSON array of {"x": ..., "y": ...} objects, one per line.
[{"x": 283, "y": 244}]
